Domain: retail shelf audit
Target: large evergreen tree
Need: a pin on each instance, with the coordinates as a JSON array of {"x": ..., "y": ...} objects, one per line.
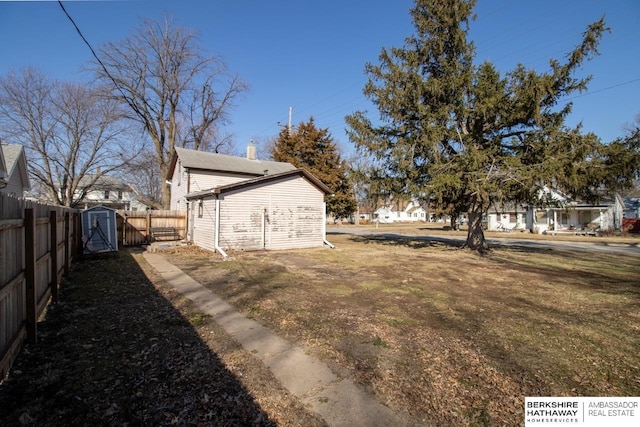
[
  {"x": 306, "y": 146},
  {"x": 467, "y": 135}
]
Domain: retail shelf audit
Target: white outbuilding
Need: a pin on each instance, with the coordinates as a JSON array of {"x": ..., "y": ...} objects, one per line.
[{"x": 236, "y": 203}]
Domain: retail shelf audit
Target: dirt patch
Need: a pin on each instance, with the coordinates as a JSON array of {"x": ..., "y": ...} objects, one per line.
[
  {"x": 123, "y": 348},
  {"x": 440, "y": 334}
]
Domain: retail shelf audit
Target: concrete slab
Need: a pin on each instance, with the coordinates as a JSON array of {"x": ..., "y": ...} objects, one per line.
[
  {"x": 345, "y": 404},
  {"x": 232, "y": 321},
  {"x": 339, "y": 401},
  {"x": 299, "y": 372},
  {"x": 261, "y": 342}
]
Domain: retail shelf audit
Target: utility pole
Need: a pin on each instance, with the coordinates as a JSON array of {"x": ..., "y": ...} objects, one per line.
[{"x": 289, "y": 126}]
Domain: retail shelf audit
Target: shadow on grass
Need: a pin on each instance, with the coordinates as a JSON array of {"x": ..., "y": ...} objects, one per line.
[
  {"x": 114, "y": 351},
  {"x": 414, "y": 242},
  {"x": 609, "y": 273}
]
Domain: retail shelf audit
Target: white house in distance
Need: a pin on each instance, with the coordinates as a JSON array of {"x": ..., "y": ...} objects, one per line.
[
  {"x": 576, "y": 216},
  {"x": 400, "y": 211},
  {"x": 507, "y": 217},
  {"x": 242, "y": 203},
  {"x": 106, "y": 191},
  {"x": 564, "y": 215},
  {"x": 14, "y": 176}
]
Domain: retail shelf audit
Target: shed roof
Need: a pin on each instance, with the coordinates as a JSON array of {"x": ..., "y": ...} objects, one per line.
[
  {"x": 223, "y": 163},
  {"x": 260, "y": 180},
  {"x": 99, "y": 208}
]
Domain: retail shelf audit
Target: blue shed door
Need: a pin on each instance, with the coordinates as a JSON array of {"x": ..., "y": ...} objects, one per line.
[{"x": 100, "y": 232}]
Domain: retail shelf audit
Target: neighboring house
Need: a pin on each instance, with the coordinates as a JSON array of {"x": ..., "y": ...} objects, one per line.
[
  {"x": 560, "y": 214},
  {"x": 631, "y": 220},
  {"x": 246, "y": 204},
  {"x": 4, "y": 175},
  {"x": 364, "y": 215},
  {"x": 107, "y": 191},
  {"x": 631, "y": 207},
  {"x": 400, "y": 211},
  {"x": 507, "y": 217},
  {"x": 417, "y": 213},
  {"x": 573, "y": 215},
  {"x": 14, "y": 176}
]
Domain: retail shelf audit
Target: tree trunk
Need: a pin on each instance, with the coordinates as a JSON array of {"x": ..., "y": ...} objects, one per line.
[
  {"x": 455, "y": 225},
  {"x": 475, "y": 235},
  {"x": 166, "y": 196},
  {"x": 165, "y": 187}
]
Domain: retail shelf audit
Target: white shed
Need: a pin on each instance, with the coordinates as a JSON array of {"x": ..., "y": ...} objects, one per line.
[{"x": 99, "y": 230}]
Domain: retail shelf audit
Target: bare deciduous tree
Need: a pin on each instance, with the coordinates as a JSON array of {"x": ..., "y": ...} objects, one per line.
[
  {"x": 144, "y": 178},
  {"x": 73, "y": 134},
  {"x": 176, "y": 93}
]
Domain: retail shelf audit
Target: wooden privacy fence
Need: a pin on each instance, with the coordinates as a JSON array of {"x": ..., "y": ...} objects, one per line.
[
  {"x": 141, "y": 227},
  {"x": 37, "y": 245}
]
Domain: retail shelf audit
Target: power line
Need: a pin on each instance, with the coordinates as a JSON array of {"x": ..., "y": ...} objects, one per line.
[
  {"x": 95, "y": 55},
  {"x": 604, "y": 89}
]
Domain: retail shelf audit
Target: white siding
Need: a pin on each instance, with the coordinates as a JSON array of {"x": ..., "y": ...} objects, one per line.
[
  {"x": 205, "y": 180},
  {"x": 203, "y": 227},
  {"x": 178, "y": 188},
  {"x": 14, "y": 186},
  {"x": 506, "y": 221},
  {"x": 183, "y": 182},
  {"x": 284, "y": 214}
]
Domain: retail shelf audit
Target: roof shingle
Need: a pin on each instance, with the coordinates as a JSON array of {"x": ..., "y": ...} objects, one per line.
[{"x": 222, "y": 163}]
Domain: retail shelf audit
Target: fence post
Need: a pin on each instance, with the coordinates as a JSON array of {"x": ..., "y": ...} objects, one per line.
[
  {"x": 148, "y": 227},
  {"x": 78, "y": 244},
  {"x": 53, "y": 251},
  {"x": 30, "y": 274},
  {"x": 67, "y": 248}
]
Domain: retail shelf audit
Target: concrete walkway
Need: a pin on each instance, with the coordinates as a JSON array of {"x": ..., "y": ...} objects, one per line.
[{"x": 339, "y": 401}]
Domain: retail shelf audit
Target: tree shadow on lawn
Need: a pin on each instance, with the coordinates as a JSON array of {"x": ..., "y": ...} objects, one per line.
[
  {"x": 595, "y": 280},
  {"x": 413, "y": 242},
  {"x": 114, "y": 351},
  {"x": 476, "y": 314},
  {"x": 618, "y": 274}
]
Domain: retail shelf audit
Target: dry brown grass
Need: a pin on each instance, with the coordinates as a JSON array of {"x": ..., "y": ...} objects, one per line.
[{"x": 443, "y": 334}]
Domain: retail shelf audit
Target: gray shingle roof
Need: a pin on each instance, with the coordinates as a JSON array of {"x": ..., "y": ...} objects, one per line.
[
  {"x": 103, "y": 182},
  {"x": 223, "y": 163},
  {"x": 11, "y": 154},
  {"x": 259, "y": 180},
  {"x": 15, "y": 161}
]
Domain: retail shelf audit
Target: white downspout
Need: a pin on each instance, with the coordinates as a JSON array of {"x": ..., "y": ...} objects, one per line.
[
  {"x": 324, "y": 226},
  {"x": 264, "y": 228},
  {"x": 216, "y": 234}
]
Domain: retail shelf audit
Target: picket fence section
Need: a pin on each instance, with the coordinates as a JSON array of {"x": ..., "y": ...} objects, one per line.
[{"x": 37, "y": 245}]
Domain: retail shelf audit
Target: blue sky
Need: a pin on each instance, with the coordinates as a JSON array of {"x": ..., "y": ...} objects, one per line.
[{"x": 310, "y": 55}]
